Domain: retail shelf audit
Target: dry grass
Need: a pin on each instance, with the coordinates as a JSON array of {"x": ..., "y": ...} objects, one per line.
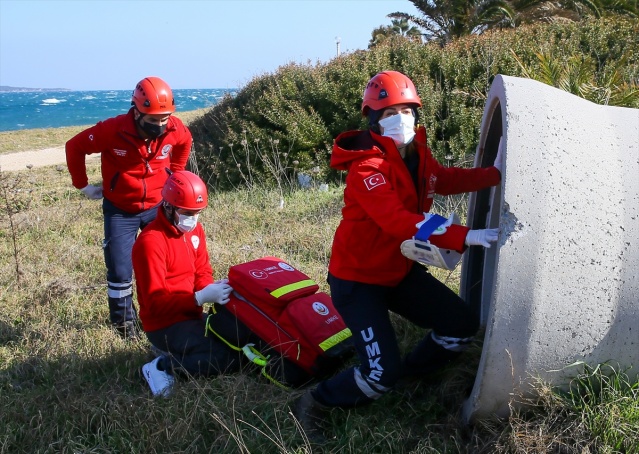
[
  {"x": 68, "y": 384},
  {"x": 39, "y": 139}
]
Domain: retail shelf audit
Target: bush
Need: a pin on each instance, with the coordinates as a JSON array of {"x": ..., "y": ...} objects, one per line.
[{"x": 294, "y": 114}]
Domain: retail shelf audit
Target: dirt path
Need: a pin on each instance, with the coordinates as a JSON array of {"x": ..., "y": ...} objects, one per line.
[{"x": 36, "y": 158}]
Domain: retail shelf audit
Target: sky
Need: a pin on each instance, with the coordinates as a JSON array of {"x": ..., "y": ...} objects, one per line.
[{"x": 112, "y": 44}]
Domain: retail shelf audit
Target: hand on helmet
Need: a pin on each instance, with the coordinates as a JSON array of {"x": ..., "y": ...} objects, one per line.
[
  {"x": 482, "y": 237},
  {"x": 92, "y": 192},
  {"x": 217, "y": 292}
]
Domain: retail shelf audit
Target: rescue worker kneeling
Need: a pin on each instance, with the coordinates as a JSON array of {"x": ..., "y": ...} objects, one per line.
[
  {"x": 392, "y": 178},
  {"x": 173, "y": 280}
]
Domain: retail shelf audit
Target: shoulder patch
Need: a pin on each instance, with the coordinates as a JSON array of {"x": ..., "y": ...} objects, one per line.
[{"x": 374, "y": 180}]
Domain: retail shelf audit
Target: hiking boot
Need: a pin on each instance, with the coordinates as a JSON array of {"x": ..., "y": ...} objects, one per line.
[
  {"x": 128, "y": 330},
  {"x": 428, "y": 358},
  {"x": 160, "y": 382},
  {"x": 311, "y": 414}
]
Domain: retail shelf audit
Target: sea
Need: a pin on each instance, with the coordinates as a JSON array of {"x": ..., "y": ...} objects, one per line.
[{"x": 58, "y": 108}]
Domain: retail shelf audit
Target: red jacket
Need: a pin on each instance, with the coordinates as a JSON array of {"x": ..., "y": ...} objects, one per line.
[
  {"x": 169, "y": 267},
  {"x": 132, "y": 175},
  {"x": 382, "y": 207}
]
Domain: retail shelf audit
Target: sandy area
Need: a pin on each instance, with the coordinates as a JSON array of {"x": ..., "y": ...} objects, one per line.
[{"x": 36, "y": 158}]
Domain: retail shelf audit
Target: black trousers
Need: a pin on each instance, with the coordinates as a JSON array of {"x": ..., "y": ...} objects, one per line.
[
  {"x": 419, "y": 298},
  {"x": 192, "y": 352}
]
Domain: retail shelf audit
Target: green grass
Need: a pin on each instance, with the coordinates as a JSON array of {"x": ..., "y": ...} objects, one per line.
[{"x": 68, "y": 384}]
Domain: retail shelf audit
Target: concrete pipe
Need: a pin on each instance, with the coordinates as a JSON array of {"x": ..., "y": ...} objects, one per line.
[{"x": 562, "y": 285}]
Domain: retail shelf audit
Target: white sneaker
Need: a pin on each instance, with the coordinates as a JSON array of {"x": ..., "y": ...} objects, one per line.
[{"x": 159, "y": 381}]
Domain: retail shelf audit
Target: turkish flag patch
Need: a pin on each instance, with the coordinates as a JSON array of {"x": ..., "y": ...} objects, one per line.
[{"x": 374, "y": 180}]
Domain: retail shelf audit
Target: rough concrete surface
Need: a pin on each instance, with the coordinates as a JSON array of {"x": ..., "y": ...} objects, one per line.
[{"x": 565, "y": 285}]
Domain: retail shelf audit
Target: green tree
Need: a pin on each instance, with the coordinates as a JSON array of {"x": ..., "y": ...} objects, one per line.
[
  {"x": 577, "y": 74},
  {"x": 444, "y": 20},
  {"x": 530, "y": 11},
  {"x": 398, "y": 27}
]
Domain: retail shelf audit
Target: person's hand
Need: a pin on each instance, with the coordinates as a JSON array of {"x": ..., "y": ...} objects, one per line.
[
  {"x": 92, "y": 192},
  {"x": 499, "y": 158},
  {"x": 217, "y": 292},
  {"x": 482, "y": 237}
]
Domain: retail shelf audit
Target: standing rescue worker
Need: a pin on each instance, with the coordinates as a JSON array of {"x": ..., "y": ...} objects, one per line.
[
  {"x": 174, "y": 279},
  {"x": 138, "y": 151},
  {"x": 392, "y": 178}
]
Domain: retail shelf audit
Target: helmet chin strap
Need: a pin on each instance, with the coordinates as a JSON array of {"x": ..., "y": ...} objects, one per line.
[
  {"x": 373, "y": 120},
  {"x": 141, "y": 132},
  {"x": 169, "y": 211},
  {"x": 137, "y": 120}
]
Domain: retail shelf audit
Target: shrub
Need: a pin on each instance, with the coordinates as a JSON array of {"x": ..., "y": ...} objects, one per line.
[{"x": 305, "y": 106}]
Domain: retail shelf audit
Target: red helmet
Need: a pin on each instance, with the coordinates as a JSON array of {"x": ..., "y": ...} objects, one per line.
[
  {"x": 153, "y": 96},
  {"x": 184, "y": 189},
  {"x": 388, "y": 88}
]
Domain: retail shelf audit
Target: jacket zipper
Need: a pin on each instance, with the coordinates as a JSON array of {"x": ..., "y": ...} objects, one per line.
[
  {"x": 148, "y": 170},
  {"x": 114, "y": 181},
  {"x": 421, "y": 191}
]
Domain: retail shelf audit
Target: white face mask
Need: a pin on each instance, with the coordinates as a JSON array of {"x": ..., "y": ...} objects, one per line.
[
  {"x": 399, "y": 127},
  {"x": 186, "y": 223}
]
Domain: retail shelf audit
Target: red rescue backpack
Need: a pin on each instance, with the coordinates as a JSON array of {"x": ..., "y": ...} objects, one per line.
[{"x": 282, "y": 306}]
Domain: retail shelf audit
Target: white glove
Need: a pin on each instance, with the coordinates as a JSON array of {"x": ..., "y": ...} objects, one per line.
[
  {"x": 217, "y": 292},
  {"x": 482, "y": 237},
  {"x": 499, "y": 157},
  {"x": 92, "y": 192}
]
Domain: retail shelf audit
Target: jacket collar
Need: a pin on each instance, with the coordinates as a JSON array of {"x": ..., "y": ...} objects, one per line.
[
  {"x": 354, "y": 145},
  {"x": 170, "y": 229}
]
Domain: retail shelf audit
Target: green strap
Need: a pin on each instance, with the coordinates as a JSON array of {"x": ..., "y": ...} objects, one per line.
[
  {"x": 249, "y": 350},
  {"x": 209, "y": 328},
  {"x": 254, "y": 355},
  {"x": 273, "y": 380}
]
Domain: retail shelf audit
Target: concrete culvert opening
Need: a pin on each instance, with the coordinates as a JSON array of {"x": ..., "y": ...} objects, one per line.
[{"x": 561, "y": 287}]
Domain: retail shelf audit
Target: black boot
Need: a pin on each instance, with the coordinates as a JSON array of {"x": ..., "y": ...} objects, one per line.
[
  {"x": 427, "y": 358},
  {"x": 128, "y": 330},
  {"x": 311, "y": 414}
]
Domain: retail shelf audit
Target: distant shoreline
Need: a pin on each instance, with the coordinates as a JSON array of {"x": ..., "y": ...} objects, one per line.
[
  {"x": 44, "y": 138},
  {"x": 7, "y": 89}
]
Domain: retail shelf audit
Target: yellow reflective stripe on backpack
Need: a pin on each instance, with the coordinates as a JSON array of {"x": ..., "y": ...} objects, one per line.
[
  {"x": 335, "y": 339},
  {"x": 278, "y": 292}
]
